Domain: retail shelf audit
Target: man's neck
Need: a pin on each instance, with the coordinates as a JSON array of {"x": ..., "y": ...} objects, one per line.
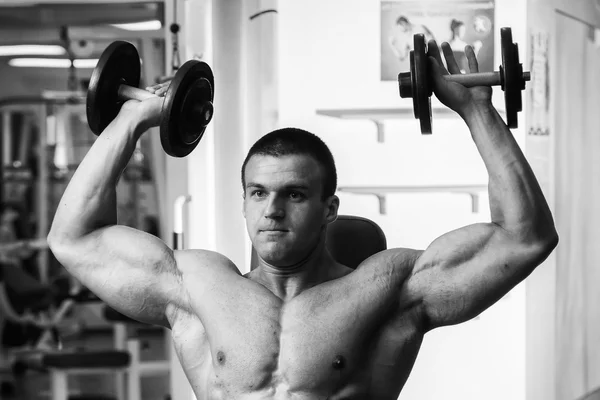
[{"x": 288, "y": 282}]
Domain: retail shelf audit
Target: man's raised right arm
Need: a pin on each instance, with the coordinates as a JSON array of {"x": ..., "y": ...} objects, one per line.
[{"x": 132, "y": 271}]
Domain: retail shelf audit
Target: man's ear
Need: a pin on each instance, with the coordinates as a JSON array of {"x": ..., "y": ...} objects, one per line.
[{"x": 333, "y": 204}]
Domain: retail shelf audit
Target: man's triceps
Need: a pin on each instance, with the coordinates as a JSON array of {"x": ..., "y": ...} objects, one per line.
[
  {"x": 465, "y": 271},
  {"x": 131, "y": 271}
]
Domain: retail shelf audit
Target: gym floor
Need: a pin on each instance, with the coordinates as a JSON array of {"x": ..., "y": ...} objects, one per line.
[{"x": 35, "y": 385}]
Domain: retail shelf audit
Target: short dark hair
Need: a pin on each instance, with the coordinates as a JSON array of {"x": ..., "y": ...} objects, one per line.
[
  {"x": 402, "y": 20},
  {"x": 455, "y": 23},
  {"x": 292, "y": 141}
]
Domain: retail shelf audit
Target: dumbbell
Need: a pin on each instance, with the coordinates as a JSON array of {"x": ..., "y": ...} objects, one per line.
[
  {"x": 510, "y": 78},
  {"x": 187, "y": 106}
]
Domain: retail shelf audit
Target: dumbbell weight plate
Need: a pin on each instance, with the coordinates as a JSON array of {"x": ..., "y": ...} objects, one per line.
[
  {"x": 511, "y": 73},
  {"x": 188, "y": 98},
  {"x": 118, "y": 64},
  {"x": 421, "y": 88}
]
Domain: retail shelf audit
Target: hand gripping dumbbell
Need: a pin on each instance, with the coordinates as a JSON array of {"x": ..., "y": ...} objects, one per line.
[
  {"x": 187, "y": 106},
  {"x": 510, "y": 77}
]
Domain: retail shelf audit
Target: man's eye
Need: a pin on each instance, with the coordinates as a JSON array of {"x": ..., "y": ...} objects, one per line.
[
  {"x": 295, "y": 195},
  {"x": 258, "y": 193}
]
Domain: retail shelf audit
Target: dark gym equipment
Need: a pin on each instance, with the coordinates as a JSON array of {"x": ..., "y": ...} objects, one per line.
[
  {"x": 510, "y": 78},
  {"x": 187, "y": 106}
]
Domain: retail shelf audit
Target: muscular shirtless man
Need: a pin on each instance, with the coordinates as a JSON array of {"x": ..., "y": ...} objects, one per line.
[{"x": 300, "y": 325}]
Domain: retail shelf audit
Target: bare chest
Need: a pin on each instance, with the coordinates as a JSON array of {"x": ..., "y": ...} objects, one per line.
[{"x": 319, "y": 346}]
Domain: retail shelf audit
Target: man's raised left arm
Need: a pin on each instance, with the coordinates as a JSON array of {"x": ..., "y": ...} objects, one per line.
[{"x": 465, "y": 271}]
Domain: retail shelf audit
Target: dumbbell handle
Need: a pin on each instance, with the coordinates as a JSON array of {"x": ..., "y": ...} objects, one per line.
[
  {"x": 467, "y": 80},
  {"x": 127, "y": 92},
  {"x": 480, "y": 78},
  {"x": 201, "y": 114}
]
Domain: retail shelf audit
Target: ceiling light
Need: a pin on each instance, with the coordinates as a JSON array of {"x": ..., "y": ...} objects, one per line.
[
  {"x": 153, "y": 25},
  {"x": 51, "y": 63},
  {"x": 32, "y": 50},
  {"x": 85, "y": 62}
]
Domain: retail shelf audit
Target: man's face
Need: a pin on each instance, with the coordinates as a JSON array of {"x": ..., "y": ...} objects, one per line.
[{"x": 284, "y": 213}]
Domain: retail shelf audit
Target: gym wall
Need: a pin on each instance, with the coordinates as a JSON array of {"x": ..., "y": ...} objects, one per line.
[{"x": 562, "y": 321}]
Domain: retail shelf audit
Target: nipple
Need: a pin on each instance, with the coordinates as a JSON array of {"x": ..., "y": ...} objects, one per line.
[
  {"x": 221, "y": 358},
  {"x": 338, "y": 363}
]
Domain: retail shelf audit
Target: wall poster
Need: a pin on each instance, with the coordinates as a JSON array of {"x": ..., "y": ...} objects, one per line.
[{"x": 459, "y": 23}]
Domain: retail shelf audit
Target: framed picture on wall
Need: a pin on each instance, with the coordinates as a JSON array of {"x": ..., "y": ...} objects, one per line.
[{"x": 459, "y": 23}]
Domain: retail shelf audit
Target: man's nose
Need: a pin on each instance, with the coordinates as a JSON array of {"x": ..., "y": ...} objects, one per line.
[{"x": 275, "y": 208}]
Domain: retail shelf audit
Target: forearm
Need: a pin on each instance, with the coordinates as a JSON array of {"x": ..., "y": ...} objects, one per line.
[
  {"x": 89, "y": 201},
  {"x": 517, "y": 203}
]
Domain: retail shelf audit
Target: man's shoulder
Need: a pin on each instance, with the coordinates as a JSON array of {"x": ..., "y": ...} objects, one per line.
[
  {"x": 394, "y": 264},
  {"x": 194, "y": 261},
  {"x": 397, "y": 258}
]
